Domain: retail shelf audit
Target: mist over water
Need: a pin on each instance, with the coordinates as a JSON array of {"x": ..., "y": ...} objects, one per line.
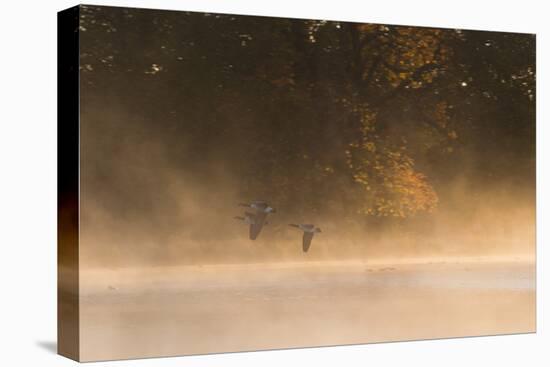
[
  {"x": 167, "y": 270},
  {"x": 142, "y": 205},
  {"x": 139, "y": 312}
]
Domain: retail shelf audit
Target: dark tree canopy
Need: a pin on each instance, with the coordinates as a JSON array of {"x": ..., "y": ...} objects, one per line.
[{"x": 351, "y": 119}]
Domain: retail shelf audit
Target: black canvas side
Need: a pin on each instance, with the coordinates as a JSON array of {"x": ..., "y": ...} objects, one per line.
[{"x": 68, "y": 340}]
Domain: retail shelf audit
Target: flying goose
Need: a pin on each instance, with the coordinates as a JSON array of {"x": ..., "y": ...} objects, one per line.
[
  {"x": 309, "y": 231},
  {"x": 259, "y": 218}
]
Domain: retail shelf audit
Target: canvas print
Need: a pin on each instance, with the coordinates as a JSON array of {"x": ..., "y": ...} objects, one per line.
[{"x": 240, "y": 183}]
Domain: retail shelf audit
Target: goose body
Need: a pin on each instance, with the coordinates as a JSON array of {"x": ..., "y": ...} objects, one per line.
[
  {"x": 258, "y": 219},
  {"x": 309, "y": 230}
]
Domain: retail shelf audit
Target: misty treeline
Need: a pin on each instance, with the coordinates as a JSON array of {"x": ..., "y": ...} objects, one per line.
[{"x": 347, "y": 119}]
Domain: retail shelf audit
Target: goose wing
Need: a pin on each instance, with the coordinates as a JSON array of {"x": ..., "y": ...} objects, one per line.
[
  {"x": 259, "y": 205},
  {"x": 306, "y": 241},
  {"x": 256, "y": 227}
]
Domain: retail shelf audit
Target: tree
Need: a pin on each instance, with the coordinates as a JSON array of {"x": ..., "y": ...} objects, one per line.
[{"x": 338, "y": 118}]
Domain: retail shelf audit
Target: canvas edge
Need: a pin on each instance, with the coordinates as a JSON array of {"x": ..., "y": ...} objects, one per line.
[{"x": 68, "y": 314}]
